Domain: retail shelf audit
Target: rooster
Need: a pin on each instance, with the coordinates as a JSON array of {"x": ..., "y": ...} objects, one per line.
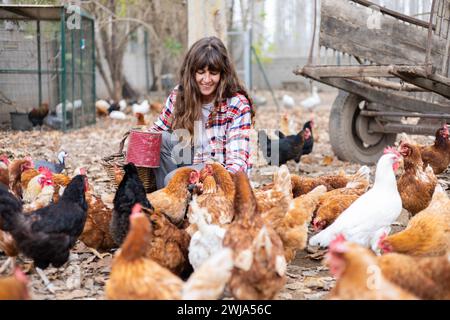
[
  {"x": 136, "y": 276},
  {"x": 371, "y": 215},
  {"x": 37, "y": 116}
]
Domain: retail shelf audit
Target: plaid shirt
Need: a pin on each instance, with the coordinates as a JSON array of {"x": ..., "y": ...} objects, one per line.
[{"x": 227, "y": 130}]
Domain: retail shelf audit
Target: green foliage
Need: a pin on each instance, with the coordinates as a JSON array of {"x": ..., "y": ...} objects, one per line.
[{"x": 174, "y": 46}]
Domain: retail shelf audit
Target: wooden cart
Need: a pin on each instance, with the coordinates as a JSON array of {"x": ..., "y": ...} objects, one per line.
[{"x": 403, "y": 73}]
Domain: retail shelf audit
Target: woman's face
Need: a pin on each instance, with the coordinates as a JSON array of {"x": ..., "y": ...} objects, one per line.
[{"x": 207, "y": 82}]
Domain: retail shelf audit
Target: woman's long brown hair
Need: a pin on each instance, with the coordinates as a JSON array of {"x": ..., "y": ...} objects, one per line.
[{"x": 207, "y": 52}]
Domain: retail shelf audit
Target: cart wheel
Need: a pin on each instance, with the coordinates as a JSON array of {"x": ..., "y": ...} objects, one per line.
[{"x": 348, "y": 130}]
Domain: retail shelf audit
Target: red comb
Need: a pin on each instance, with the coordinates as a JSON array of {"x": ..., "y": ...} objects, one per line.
[
  {"x": 4, "y": 158},
  {"x": 83, "y": 171},
  {"x": 45, "y": 171},
  {"x": 336, "y": 244},
  {"x": 391, "y": 150}
]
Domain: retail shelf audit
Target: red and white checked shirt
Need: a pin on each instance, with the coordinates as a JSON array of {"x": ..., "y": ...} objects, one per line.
[{"x": 227, "y": 130}]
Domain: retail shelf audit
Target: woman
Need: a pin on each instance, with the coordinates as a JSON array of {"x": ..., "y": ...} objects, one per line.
[{"x": 210, "y": 105}]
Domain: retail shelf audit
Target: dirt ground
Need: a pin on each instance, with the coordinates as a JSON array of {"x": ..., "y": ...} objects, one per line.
[{"x": 84, "y": 276}]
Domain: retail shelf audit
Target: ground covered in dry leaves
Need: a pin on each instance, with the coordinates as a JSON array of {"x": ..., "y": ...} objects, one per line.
[{"x": 84, "y": 276}]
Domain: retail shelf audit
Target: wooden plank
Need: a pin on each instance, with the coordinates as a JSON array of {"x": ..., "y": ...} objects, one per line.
[
  {"x": 397, "y": 101},
  {"x": 344, "y": 27},
  {"x": 418, "y": 77},
  {"x": 394, "y": 14},
  {"x": 347, "y": 71}
]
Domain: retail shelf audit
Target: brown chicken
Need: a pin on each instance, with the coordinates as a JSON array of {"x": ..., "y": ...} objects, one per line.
[
  {"x": 168, "y": 245},
  {"x": 217, "y": 195},
  {"x": 293, "y": 228},
  {"x": 427, "y": 233},
  {"x": 135, "y": 276},
  {"x": 16, "y": 168},
  {"x": 8, "y": 246},
  {"x": 174, "y": 198},
  {"x": 156, "y": 108},
  {"x": 140, "y": 119},
  {"x": 425, "y": 277},
  {"x": 415, "y": 185},
  {"x": 259, "y": 265},
  {"x": 358, "y": 275},
  {"x": 334, "y": 202},
  {"x": 4, "y": 171},
  {"x": 37, "y": 115},
  {"x": 303, "y": 185},
  {"x": 437, "y": 155},
  {"x": 96, "y": 233},
  {"x": 14, "y": 287}
]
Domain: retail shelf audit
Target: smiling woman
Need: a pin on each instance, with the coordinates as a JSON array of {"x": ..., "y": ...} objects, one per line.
[{"x": 209, "y": 109}]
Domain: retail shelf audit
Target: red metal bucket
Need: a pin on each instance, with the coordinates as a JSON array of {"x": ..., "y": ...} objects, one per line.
[{"x": 144, "y": 148}]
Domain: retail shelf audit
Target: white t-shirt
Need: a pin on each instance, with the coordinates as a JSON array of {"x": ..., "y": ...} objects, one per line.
[{"x": 202, "y": 141}]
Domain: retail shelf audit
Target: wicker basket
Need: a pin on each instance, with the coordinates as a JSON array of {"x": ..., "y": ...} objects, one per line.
[{"x": 118, "y": 159}]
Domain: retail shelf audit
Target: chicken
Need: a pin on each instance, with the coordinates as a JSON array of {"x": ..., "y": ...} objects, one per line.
[
  {"x": 96, "y": 233},
  {"x": 9, "y": 205},
  {"x": 425, "y": 277},
  {"x": 303, "y": 185},
  {"x": 140, "y": 119},
  {"x": 47, "y": 235},
  {"x": 174, "y": 198},
  {"x": 208, "y": 238},
  {"x": 293, "y": 229},
  {"x": 437, "y": 155},
  {"x": 259, "y": 265},
  {"x": 14, "y": 287},
  {"x": 309, "y": 142},
  {"x": 168, "y": 245},
  {"x": 427, "y": 233},
  {"x": 8, "y": 246},
  {"x": 101, "y": 108},
  {"x": 42, "y": 183},
  {"x": 37, "y": 116},
  {"x": 26, "y": 177},
  {"x": 156, "y": 108},
  {"x": 16, "y": 168},
  {"x": 217, "y": 198},
  {"x": 130, "y": 191},
  {"x": 286, "y": 147},
  {"x": 4, "y": 171},
  {"x": 372, "y": 214},
  {"x": 135, "y": 276},
  {"x": 52, "y": 166},
  {"x": 313, "y": 100},
  {"x": 415, "y": 185},
  {"x": 358, "y": 275},
  {"x": 334, "y": 202}
]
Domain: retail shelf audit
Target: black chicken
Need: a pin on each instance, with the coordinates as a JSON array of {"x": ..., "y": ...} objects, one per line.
[
  {"x": 130, "y": 191},
  {"x": 10, "y": 205},
  {"x": 309, "y": 142},
  {"x": 47, "y": 234},
  {"x": 290, "y": 147}
]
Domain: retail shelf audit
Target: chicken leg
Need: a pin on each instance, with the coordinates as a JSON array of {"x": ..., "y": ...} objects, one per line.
[
  {"x": 98, "y": 254},
  {"x": 10, "y": 262},
  {"x": 47, "y": 282}
]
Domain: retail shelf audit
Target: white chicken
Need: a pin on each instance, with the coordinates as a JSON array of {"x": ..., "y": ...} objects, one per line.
[
  {"x": 207, "y": 240},
  {"x": 123, "y": 105},
  {"x": 118, "y": 115},
  {"x": 143, "y": 107},
  {"x": 288, "y": 102},
  {"x": 312, "y": 100},
  {"x": 372, "y": 214}
]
